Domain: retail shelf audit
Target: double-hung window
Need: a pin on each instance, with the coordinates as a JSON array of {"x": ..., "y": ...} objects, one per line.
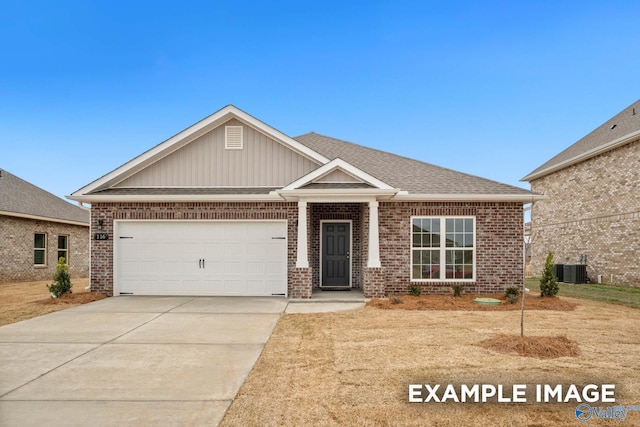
[
  {"x": 63, "y": 248},
  {"x": 443, "y": 248},
  {"x": 40, "y": 249}
]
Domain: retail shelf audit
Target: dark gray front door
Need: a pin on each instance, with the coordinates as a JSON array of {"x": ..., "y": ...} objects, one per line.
[{"x": 336, "y": 263}]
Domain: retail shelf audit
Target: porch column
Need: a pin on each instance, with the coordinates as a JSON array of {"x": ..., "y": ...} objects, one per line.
[
  {"x": 302, "y": 260},
  {"x": 374, "y": 240}
]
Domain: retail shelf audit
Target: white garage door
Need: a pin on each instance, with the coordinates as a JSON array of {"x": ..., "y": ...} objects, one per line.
[{"x": 200, "y": 258}]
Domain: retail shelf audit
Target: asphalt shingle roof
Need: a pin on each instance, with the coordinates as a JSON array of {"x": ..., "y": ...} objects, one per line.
[
  {"x": 626, "y": 122},
  {"x": 411, "y": 175},
  {"x": 21, "y": 197}
]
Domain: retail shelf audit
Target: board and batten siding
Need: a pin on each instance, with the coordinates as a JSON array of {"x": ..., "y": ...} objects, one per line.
[
  {"x": 337, "y": 176},
  {"x": 262, "y": 162}
]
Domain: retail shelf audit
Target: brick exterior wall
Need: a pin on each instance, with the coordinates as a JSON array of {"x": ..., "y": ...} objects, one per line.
[
  {"x": 499, "y": 244},
  {"x": 593, "y": 208},
  {"x": 499, "y": 240},
  {"x": 16, "y": 251},
  {"x": 102, "y": 250}
]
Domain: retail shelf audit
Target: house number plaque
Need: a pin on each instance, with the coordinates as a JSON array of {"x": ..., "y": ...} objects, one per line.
[{"x": 101, "y": 236}]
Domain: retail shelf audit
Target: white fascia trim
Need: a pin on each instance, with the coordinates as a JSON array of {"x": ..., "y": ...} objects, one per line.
[
  {"x": 334, "y": 164},
  {"x": 469, "y": 197},
  {"x": 44, "y": 218},
  {"x": 584, "y": 156},
  {"x": 179, "y": 198},
  {"x": 191, "y": 133},
  {"x": 342, "y": 195}
]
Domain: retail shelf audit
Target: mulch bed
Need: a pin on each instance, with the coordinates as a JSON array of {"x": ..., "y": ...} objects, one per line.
[
  {"x": 536, "y": 346},
  {"x": 72, "y": 298},
  {"x": 465, "y": 302}
]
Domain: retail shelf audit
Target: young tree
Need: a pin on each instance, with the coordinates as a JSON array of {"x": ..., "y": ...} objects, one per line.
[
  {"x": 548, "y": 283},
  {"x": 61, "y": 280}
]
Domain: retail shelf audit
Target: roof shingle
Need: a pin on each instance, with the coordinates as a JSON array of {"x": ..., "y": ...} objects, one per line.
[
  {"x": 21, "y": 197},
  {"x": 622, "y": 124},
  {"x": 406, "y": 174}
]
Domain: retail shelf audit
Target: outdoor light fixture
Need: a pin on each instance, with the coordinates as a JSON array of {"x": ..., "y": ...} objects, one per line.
[{"x": 100, "y": 223}]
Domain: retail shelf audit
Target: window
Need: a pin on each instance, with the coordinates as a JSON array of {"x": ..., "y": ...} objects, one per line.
[
  {"x": 63, "y": 248},
  {"x": 40, "y": 249},
  {"x": 442, "y": 248}
]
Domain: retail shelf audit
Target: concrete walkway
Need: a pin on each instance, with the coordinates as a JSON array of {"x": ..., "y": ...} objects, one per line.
[{"x": 158, "y": 361}]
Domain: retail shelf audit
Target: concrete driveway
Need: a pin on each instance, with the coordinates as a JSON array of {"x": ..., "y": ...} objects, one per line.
[{"x": 133, "y": 361}]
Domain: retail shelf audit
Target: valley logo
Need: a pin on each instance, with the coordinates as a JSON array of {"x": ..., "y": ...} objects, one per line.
[{"x": 585, "y": 412}]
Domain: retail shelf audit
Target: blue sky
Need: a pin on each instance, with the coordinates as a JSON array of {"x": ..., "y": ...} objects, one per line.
[{"x": 485, "y": 87}]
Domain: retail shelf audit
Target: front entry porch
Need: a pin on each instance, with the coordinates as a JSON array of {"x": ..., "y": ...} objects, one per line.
[{"x": 337, "y": 251}]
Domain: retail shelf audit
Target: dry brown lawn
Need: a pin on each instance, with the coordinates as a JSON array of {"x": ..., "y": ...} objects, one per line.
[
  {"x": 353, "y": 368},
  {"x": 24, "y": 300},
  {"x": 465, "y": 302}
]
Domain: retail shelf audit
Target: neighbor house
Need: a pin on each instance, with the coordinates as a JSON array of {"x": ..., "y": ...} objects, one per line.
[
  {"x": 592, "y": 213},
  {"x": 36, "y": 228},
  {"x": 232, "y": 206}
]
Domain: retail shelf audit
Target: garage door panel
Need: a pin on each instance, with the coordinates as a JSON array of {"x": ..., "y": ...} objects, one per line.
[{"x": 164, "y": 258}]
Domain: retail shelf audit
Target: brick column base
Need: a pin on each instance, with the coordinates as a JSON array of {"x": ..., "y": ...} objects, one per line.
[
  {"x": 300, "y": 283},
  {"x": 373, "y": 283}
]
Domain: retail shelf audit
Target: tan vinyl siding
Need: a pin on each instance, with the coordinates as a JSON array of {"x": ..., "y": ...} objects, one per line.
[
  {"x": 205, "y": 162},
  {"x": 337, "y": 176}
]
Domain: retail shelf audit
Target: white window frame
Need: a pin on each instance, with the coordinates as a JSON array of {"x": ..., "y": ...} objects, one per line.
[
  {"x": 443, "y": 248},
  {"x": 40, "y": 249},
  {"x": 66, "y": 251}
]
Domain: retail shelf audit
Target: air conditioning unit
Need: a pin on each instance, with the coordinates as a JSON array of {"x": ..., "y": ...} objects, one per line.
[
  {"x": 558, "y": 272},
  {"x": 575, "y": 273}
]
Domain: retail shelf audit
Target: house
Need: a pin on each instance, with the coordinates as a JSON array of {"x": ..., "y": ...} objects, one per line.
[
  {"x": 232, "y": 206},
  {"x": 592, "y": 214},
  {"x": 36, "y": 228}
]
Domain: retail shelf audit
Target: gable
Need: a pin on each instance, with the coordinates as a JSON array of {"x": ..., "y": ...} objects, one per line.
[
  {"x": 208, "y": 162},
  {"x": 337, "y": 176}
]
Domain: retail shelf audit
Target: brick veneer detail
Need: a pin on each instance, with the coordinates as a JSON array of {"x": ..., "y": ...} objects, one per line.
[
  {"x": 593, "y": 208},
  {"x": 498, "y": 254},
  {"x": 499, "y": 244},
  {"x": 16, "y": 251}
]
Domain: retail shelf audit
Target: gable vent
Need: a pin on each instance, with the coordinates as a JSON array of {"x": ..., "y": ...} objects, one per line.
[{"x": 233, "y": 137}]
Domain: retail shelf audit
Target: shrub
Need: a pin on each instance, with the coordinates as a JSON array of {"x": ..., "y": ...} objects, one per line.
[
  {"x": 61, "y": 280},
  {"x": 457, "y": 289},
  {"x": 512, "y": 293},
  {"x": 395, "y": 299},
  {"x": 548, "y": 284},
  {"x": 414, "y": 289}
]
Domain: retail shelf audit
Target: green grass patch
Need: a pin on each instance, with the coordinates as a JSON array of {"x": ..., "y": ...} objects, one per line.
[{"x": 614, "y": 294}]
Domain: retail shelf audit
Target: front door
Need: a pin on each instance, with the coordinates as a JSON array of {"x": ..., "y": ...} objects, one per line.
[{"x": 336, "y": 254}]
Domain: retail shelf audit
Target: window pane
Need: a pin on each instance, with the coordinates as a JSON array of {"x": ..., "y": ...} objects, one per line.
[
  {"x": 63, "y": 254},
  {"x": 62, "y": 242},
  {"x": 449, "y": 225},
  {"x": 468, "y": 225},
  {"x": 417, "y": 240},
  {"x": 459, "y": 225},
  {"x": 39, "y": 241},
  {"x": 450, "y": 240},
  {"x": 38, "y": 257},
  {"x": 417, "y": 225},
  {"x": 417, "y": 272},
  {"x": 468, "y": 240},
  {"x": 435, "y": 240}
]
